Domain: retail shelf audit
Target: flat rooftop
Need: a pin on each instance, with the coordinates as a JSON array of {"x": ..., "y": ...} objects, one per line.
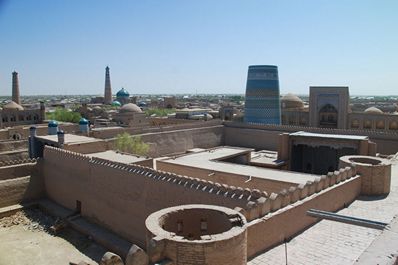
[
  {"x": 70, "y": 139},
  {"x": 209, "y": 159},
  {"x": 334, "y": 136},
  {"x": 118, "y": 157}
]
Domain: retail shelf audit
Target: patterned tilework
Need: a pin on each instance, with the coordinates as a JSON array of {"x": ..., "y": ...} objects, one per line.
[{"x": 262, "y": 95}]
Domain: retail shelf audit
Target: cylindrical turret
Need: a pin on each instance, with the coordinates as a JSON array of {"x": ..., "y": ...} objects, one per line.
[
  {"x": 262, "y": 103},
  {"x": 15, "y": 88},
  {"x": 108, "y": 88},
  {"x": 42, "y": 111},
  {"x": 32, "y": 142},
  {"x": 52, "y": 127},
  {"x": 61, "y": 138},
  {"x": 84, "y": 126}
]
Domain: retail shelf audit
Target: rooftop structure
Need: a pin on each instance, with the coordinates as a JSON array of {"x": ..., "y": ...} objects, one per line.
[{"x": 329, "y": 107}]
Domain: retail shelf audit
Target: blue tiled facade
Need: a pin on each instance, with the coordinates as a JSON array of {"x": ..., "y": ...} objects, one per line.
[{"x": 262, "y": 103}]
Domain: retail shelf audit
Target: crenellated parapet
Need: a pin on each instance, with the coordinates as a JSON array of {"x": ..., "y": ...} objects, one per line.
[
  {"x": 245, "y": 198},
  {"x": 295, "y": 128},
  {"x": 264, "y": 205},
  {"x": 54, "y": 154},
  {"x": 18, "y": 162}
]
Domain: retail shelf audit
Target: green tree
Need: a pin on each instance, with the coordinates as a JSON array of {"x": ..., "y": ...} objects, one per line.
[
  {"x": 61, "y": 114},
  {"x": 131, "y": 144}
]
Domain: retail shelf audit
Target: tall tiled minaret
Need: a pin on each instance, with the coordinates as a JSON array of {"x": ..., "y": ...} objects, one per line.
[
  {"x": 108, "y": 88},
  {"x": 15, "y": 88}
]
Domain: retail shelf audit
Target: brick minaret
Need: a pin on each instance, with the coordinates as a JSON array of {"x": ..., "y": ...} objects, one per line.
[
  {"x": 108, "y": 88},
  {"x": 15, "y": 88}
]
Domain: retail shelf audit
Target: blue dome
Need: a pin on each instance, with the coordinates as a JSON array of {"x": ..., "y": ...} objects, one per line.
[
  {"x": 52, "y": 123},
  {"x": 116, "y": 103},
  {"x": 83, "y": 121},
  {"x": 142, "y": 104},
  {"x": 122, "y": 93}
]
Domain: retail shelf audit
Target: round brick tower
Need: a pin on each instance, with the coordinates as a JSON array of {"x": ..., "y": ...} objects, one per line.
[{"x": 197, "y": 234}]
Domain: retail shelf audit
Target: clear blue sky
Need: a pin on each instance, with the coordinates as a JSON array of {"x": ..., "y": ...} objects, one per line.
[{"x": 183, "y": 46}]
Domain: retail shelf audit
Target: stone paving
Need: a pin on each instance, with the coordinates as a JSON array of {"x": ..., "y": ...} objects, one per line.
[{"x": 330, "y": 242}]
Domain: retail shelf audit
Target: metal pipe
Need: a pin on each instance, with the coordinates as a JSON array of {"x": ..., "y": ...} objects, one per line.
[{"x": 346, "y": 219}]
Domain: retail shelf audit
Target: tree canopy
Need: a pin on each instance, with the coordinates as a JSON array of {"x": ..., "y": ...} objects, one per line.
[{"x": 131, "y": 144}]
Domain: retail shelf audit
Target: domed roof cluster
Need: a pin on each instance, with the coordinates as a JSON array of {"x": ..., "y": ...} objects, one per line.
[
  {"x": 373, "y": 110},
  {"x": 130, "y": 107},
  {"x": 290, "y": 101},
  {"x": 12, "y": 105},
  {"x": 122, "y": 93}
]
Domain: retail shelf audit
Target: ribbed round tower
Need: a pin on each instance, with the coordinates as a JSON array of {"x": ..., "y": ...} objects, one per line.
[
  {"x": 15, "y": 88},
  {"x": 108, "y": 88},
  {"x": 262, "y": 103}
]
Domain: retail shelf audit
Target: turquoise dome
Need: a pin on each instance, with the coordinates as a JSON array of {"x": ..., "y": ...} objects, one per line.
[
  {"x": 52, "y": 123},
  {"x": 116, "y": 103},
  {"x": 83, "y": 121},
  {"x": 122, "y": 93}
]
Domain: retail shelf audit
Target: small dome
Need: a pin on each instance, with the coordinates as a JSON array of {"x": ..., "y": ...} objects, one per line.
[
  {"x": 122, "y": 93},
  {"x": 52, "y": 123},
  {"x": 130, "y": 107},
  {"x": 291, "y": 101},
  {"x": 373, "y": 110},
  {"x": 83, "y": 121},
  {"x": 116, "y": 103},
  {"x": 142, "y": 104},
  {"x": 12, "y": 105}
]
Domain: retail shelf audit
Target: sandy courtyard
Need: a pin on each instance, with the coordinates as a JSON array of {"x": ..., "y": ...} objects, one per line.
[{"x": 25, "y": 240}]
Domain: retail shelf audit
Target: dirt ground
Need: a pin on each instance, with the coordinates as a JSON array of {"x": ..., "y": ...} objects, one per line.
[{"x": 25, "y": 239}]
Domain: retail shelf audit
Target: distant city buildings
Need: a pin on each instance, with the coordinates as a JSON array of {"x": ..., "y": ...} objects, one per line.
[
  {"x": 262, "y": 103},
  {"x": 329, "y": 107},
  {"x": 13, "y": 114}
]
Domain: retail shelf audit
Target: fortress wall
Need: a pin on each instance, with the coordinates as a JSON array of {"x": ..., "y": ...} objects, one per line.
[
  {"x": 20, "y": 190},
  {"x": 178, "y": 141},
  {"x": 20, "y": 183},
  {"x": 329, "y": 193},
  {"x": 266, "y": 185},
  {"x": 17, "y": 170},
  {"x": 251, "y": 137},
  {"x": 86, "y": 148},
  {"x": 120, "y": 196},
  {"x": 111, "y": 133},
  {"x": 262, "y": 136},
  {"x": 11, "y": 145}
]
